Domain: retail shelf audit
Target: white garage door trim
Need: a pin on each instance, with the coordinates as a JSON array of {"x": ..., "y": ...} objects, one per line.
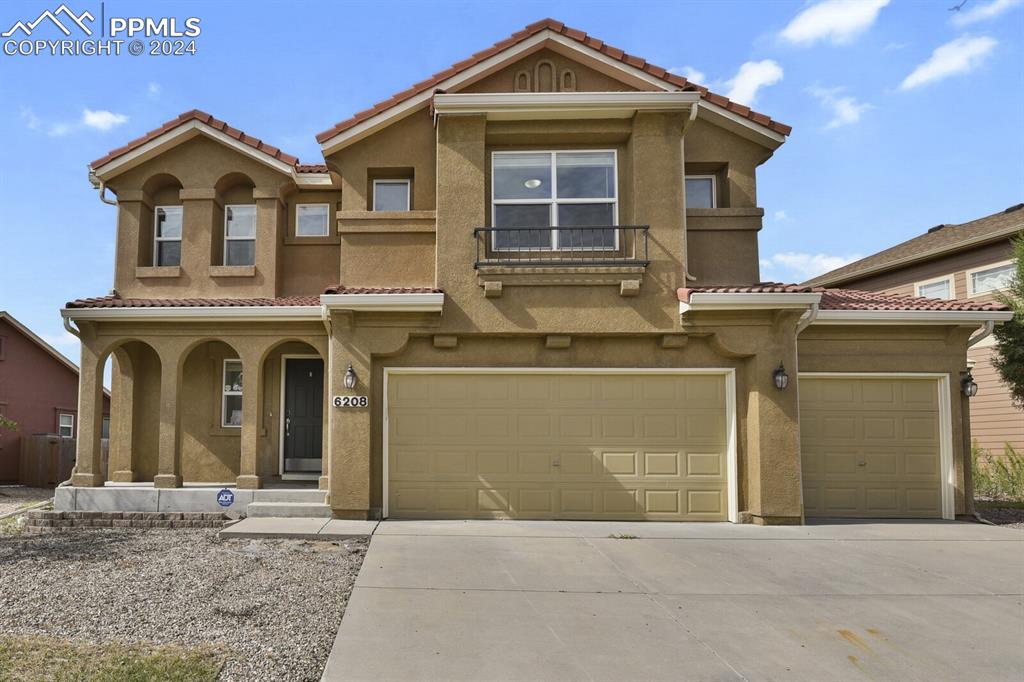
[
  {"x": 945, "y": 422},
  {"x": 728, "y": 374}
]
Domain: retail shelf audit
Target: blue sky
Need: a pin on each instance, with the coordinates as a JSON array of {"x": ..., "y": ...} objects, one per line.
[{"x": 905, "y": 114}]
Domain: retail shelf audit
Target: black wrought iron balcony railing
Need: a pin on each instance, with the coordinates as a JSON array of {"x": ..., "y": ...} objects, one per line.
[{"x": 592, "y": 245}]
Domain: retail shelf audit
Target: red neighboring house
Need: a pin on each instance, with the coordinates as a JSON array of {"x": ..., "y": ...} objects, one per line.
[{"x": 38, "y": 391}]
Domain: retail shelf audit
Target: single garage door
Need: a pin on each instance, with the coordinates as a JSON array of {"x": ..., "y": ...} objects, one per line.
[
  {"x": 547, "y": 445},
  {"x": 870, "y": 447}
]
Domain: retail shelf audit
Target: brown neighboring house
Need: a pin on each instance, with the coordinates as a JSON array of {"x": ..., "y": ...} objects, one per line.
[
  {"x": 526, "y": 286},
  {"x": 38, "y": 391},
  {"x": 969, "y": 261}
]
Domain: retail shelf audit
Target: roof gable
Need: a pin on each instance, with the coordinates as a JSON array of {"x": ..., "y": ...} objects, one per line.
[
  {"x": 545, "y": 33},
  {"x": 31, "y": 336}
]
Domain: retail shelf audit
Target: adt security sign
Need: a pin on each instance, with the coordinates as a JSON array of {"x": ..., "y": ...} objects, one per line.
[{"x": 225, "y": 497}]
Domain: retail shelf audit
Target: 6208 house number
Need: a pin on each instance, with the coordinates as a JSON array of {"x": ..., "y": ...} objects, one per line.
[{"x": 351, "y": 401}]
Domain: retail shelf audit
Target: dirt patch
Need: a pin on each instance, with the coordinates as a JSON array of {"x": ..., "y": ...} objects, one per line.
[{"x": 15, "y": 497}]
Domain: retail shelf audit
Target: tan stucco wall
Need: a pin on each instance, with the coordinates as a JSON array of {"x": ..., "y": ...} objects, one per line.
[{"x": 587, "y": 79}]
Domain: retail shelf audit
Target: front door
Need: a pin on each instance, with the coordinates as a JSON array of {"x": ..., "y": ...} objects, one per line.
[{"x": 303, "y": 417}]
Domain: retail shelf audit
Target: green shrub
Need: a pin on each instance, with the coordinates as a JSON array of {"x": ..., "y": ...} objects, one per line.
[{"x": 998, "y": 478}]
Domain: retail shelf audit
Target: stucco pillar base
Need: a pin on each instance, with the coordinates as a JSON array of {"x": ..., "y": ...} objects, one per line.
[
  {"x": 778, "y": 520},
  {"x": 166, "y": 481},
  {"x": 351, "y": 514},
  {"x": 122, "y": 476},
  {"x": 87, "y": 480},
  {"x": 324, "y": 483},
  {"x": 248, "y": 483}
]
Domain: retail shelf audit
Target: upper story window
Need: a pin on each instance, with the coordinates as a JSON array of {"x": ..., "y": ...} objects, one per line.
[
  {"x": 231, "y": 403},
  {"x": 240, "y": 234},
  {"x": 312, "y": 220},
  {"x": 3, "y": 347},
  {"x": 700, "y": 191},
  {"x": 936, "y": 288},
  {"x": 391, "y": 195},
  {"x": 167, "y": 236},
  {"x": 989, "y": 278},
  {"x": 66, "y": 425},
  {"x": 532, "y": 190}
]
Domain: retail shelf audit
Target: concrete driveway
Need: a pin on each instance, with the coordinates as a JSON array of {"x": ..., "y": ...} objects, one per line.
[{"x": 511, "y": 600}]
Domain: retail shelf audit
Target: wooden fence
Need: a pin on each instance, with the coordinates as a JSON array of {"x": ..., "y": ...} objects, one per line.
[{"x": 47, "y": 460}]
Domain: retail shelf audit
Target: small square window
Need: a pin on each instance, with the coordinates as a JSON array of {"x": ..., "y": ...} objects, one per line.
[
  {"x": 312, "y": 220},
  {"x": 942, "y": 288},
  {"x": 994, "y": 278},
  {"x": 231, "y": 404},
  {"x": 66, "y": 425},
  {"x": 391, "y": 195},
  {"x": 700, "y": 191}
]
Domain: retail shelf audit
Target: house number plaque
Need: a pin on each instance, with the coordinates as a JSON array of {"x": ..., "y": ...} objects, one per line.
[{"x": 351, "y": 401}]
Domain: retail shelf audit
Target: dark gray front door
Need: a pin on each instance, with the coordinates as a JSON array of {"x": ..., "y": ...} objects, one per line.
[{"x": 303, "y": 416}]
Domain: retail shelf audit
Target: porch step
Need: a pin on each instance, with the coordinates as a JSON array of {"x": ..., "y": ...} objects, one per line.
[
  {"x": 289, "y": 510},
  {"x": 308, "y": 495}
]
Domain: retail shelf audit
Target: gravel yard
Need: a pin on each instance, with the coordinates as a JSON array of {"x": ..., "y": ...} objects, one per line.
[
  {"x": 1009, "y": 516},
  {"x": 273, "y": 606},
  {"x": 14, "y": 497}
]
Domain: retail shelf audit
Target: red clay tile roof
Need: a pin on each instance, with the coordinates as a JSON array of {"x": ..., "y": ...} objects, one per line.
[
  {"x": 311, "y": 168},
  {"x": 848, "y": 299},
  {"x": 342, "y": 289},
  {"x": 118, "y": 302},
  {"x": 937, "y": 241},
  {"x": 203, "y": 117},
  {"x": 578, "y": 36}
]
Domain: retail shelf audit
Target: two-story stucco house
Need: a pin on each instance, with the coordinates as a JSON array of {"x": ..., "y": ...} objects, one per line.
[
  {"x": 526, "y": 286},
  {"x": 972, "y": 260}
]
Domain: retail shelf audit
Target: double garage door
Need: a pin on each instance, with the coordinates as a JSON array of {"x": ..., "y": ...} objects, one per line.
[
  {"x": 871, "y": 446},
  {"x": 550, "y": 445}
]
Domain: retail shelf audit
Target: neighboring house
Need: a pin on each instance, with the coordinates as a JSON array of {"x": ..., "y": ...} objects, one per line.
[
  {"x": 526, "y": 287},
  {"x": 969, "y": 261},
  {"x": 38, "y": 391}
]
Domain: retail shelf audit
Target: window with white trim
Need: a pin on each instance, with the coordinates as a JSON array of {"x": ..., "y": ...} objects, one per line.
[
  {"x": 66, "y": 425},
  {"x": 240, "y": 234},
  {"x": 167, "y": 236},
  {"x": 701, "y": 191},
  {"x": 993, "y": 278},
  {"x": 391, "y": 195},
  {"x": 312, "y": 220},
  {"x": 231, "y": 401},
  {"x": 105, "y": 428},
  {"x": 576, "y": 189},
  {"x": 937, "y": 288}
]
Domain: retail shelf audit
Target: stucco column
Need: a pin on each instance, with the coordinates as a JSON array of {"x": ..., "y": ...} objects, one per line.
[
  {"x": 349, "y": 467},
  {"x": 252, "y": 399},
  {"x": 172, "y": 358},
  {"x": 134, "y": 236},
  {"x": 270, "y": 221},
  {"x": 122, "y": 417},
  {"x": 200, "y": 212},
  {"x": 88, "y": 462}
]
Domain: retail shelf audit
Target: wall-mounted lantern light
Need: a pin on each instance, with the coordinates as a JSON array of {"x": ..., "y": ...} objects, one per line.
[
  {"x": 350, "y": 377},
  {"x": 968, "y": 386},
  {"x": 780, "y": 377}
]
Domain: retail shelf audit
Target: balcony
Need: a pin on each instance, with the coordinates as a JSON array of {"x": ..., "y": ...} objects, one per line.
[{"x": 578, "y": 255}]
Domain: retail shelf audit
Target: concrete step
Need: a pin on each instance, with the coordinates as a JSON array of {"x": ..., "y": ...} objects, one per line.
[
  {"x": 309, "y": 495},
  {"x": 289, "y": 510}
]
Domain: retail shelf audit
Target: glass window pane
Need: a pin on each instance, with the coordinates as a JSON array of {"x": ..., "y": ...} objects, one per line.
[
  {"x": 586, "y": 175},
  {"x": 168, "y": 253},
  {"x": 522, "y": 215},
  {"x": 232, "y": 377},
  {"x": 700, "y": 193},
  {"x": 105, "y": 428},
  {"x": 240, "y": 252},
  {"x": 232, "y": 410},
  {"x": 589, "y": 215},
  {"x": 312, "y": 220},
  {"x": 168, "y": 222},
  {"x": 240, "y": 221},
  {"x": 522, "y": 176},
  {"x": 390, "y": 196},
  {"x": 992, "y": 279},
  {"x": 935, "y": 290}
]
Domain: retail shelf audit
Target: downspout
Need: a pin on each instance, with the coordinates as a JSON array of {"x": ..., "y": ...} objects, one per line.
[
  {"x": 985, "y": 331},
  {"x": 102, "y": 187},
  {"x": 77, "y": 334},
  {"x": 687, "y": 124}
]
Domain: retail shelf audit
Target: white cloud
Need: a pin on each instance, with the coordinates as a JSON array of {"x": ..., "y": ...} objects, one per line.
[
  {"x": 59, "y": 129},
  {"x": 153, "y": 90},
  {"x": 989, "y": 10},
  {"x": 791, "y": 265},
  {"x": 838, "y": 21},
  {"x": 845, "y": 109},
  {"x": 956, "y": 57},
  {"x": 32, "y": 121},
  {"x": 780, "y": 216},
  {"x": 102, "y": 119},
  {"x": 689, "y": 73},
  {"x": 751, "y": 77}
]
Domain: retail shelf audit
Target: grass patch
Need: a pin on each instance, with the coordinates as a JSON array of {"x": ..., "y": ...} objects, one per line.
[
  {"x": 47, "y": 658},
  {"x": 996, "y": 504},
  {"x": 998, "y": 478},
  {"x": 10, "y": 526}
]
